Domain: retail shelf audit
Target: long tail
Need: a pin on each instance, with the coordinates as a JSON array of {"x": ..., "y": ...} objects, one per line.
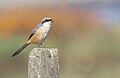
[{"x": 20, "y": 49}]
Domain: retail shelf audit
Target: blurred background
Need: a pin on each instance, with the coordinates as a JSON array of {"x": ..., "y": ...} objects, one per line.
[{"x": 87, "y": 33}]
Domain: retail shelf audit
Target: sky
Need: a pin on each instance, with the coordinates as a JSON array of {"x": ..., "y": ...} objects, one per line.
[{"x": 49, "y": 2}]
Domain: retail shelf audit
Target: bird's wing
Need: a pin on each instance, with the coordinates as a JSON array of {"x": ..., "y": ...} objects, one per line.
[
  {"x": 34, "y": 30},
  {"x": 31, "y": 35}
]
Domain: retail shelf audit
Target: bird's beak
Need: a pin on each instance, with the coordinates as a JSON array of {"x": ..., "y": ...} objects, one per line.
[{"x": 52, "y": 21}]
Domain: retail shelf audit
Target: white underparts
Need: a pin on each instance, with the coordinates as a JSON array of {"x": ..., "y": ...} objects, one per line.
[{"x": 45, "y": 30}]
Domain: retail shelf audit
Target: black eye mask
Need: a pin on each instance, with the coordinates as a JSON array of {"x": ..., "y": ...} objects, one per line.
[{"x": 47, "y": 20}]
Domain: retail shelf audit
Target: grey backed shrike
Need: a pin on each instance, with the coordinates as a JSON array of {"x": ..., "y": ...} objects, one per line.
[{"x": 38, "y": 35}]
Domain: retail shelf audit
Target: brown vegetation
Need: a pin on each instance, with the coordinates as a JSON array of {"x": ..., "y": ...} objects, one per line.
[{"x": 14, "y": 20}]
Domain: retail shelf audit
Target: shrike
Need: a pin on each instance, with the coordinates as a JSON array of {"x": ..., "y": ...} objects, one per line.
[{"x": 38, "y": 35}]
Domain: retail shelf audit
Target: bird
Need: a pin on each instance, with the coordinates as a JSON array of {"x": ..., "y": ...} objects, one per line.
[{"x": 38, "y": 34}]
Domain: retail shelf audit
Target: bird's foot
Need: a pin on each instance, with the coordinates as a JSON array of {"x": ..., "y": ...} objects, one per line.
[
  {"x": 42, "y": 46},
  {"x": 39, "y": 45}
]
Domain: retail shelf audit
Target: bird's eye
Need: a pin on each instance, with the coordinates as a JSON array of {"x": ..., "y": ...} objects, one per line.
[{"x": 48, "y": 20}]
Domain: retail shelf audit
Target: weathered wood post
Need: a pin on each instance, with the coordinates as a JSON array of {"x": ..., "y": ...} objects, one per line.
[{"x": 43, "y": 63}]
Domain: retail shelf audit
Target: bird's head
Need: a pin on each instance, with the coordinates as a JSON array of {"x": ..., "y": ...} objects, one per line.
[{"x": 47, "y": 21}]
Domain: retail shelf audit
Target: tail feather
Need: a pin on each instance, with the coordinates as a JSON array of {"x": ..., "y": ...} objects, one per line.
[{"x": 19, "y": 50}]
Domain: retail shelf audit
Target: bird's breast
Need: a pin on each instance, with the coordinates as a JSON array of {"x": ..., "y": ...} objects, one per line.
[{"x": 40, "y": 35}]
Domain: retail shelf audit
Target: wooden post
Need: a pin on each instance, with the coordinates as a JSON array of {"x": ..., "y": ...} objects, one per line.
[{"x": 43, "y": 63}]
